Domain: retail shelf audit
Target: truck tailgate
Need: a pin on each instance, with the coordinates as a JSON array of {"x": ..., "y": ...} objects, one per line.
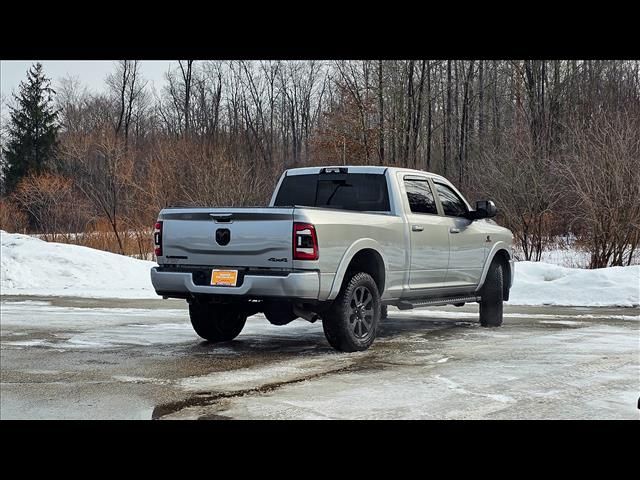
[{"x": 233, "y": 237}]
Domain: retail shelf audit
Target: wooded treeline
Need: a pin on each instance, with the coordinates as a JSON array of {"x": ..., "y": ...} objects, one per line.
[{"x": 556, "y": 144}]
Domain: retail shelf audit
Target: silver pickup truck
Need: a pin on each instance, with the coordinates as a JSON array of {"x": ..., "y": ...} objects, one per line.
[{"x": 336, "y": 244}]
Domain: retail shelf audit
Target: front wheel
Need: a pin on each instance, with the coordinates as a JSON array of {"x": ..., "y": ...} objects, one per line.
[
  {"x": 217, "y": 323},
  {"x": 492, "y": 297},
  {"x": 351, "y": 322}
]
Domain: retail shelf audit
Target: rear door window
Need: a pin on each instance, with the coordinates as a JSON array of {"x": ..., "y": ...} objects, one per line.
[{"x": 420, "y": 196}]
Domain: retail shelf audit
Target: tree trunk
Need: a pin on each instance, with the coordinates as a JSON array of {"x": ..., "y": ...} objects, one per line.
[
  {"x": 186, "y": 77},
  {"x": 447, "y": 122},
  {"x": 409, "y": 116},
  {"x": 480, "y": 106},
  {"x": 418, "y": 116},
  {"x": 463, "y": 125},
  {"x": 429, "y": 118},
  {"x": 380, "y": 115}
]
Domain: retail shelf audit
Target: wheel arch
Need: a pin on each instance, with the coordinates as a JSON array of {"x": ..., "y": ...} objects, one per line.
[
  {"x": 364, "y": 256},
  {"x": 502, "y": 253}
]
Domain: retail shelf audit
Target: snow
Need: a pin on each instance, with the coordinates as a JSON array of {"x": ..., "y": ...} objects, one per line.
[
  {"x": 63, "y": 318},
  {"x": 537, "y": 283},
  {"x": 566, "y": 252},
  {"x": 566, "y": 257},
  {"x": 254, "y": 377},
  {"x": 571, "y": 373},
  {"x": 30, "y": 266},
  {"x": 540, "y": 365}
]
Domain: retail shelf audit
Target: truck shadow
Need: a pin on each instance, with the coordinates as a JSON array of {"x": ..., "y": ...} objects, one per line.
[
  {"x": 280, "y": 342},
  {"x": 398, "y": 326}
]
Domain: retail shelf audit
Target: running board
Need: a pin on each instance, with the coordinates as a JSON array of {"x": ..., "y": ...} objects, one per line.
[{"x": 406, "y": 305}]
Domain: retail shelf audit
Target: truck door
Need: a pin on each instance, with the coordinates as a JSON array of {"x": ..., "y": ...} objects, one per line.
[
  {"x": 467, "y": 241},
  {"x": 428, "y": 233}
]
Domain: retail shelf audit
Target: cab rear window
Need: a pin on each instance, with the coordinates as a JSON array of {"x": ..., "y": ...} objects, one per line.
[{"x": 364, "y": 192}]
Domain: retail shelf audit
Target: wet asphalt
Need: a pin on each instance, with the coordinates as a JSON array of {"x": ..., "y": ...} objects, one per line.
[{"x": 72, "y": 358}]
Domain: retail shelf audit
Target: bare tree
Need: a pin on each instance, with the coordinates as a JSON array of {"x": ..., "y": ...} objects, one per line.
[
  {"x": 100, "y": 167},
  {"x": 525, "y": 198},
  {"x": 186, "y": 69},
  {"x": 126, "y": 87},
  {"x": 176, "y": 112},
  {"x": 221, "y": 131},
  {"x": 601, "y": 171},
  {"x": 71, "y": 100}
]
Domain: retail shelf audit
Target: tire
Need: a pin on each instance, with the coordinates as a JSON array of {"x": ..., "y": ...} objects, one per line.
[
  {"x": 351, "y": 322},
  {"x": 384, "y": 312},
  {"x": 217, "y": 323},
  {"x": 279, "y": 313},
  {"x": 492, "y": 297}
]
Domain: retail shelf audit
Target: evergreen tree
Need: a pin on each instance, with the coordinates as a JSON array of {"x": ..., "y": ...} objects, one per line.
[{"x": 32, "y": 129}]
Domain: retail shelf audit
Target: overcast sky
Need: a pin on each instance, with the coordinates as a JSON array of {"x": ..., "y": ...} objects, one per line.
[{"x": 91, "y": 73}]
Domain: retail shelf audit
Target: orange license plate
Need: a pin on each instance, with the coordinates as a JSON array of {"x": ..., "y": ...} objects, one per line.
[{"x": 224, "y": 278}]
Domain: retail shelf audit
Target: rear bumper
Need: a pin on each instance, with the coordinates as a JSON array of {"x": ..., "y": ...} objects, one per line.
[{"x": 303, "y": 285}]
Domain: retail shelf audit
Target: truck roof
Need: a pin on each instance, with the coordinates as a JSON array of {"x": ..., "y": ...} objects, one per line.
[{"x": 379, "y": 169}]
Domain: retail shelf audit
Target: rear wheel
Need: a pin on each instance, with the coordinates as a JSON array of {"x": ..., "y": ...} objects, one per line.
[
  {"x": 351, "y": 322},
  {"x": 492, "y": 297},
  {"x": 217, "y": 323}
]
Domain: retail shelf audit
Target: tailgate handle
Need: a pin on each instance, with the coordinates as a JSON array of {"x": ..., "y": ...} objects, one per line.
[{"x": 221, "y": 217}]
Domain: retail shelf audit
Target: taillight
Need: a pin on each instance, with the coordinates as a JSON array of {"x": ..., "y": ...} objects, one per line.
[
  {"x": 157, "y": 239},
  {"x": 305, "y": 242}
]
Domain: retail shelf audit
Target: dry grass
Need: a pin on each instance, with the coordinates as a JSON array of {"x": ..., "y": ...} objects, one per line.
[{"x": 135, "y": 243}]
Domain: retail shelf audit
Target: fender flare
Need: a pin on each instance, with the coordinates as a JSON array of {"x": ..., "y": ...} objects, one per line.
[
  {"x": 354, "y": 248},
  {"x": 492, "y": 253}
]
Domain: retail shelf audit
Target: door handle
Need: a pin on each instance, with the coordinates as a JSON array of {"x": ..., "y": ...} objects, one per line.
[
  {"x": 417, "y": 228},
  {"x": 454, "y": 230}
]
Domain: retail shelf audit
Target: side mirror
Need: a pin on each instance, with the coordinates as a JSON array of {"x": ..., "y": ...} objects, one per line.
[{"x": 485, "y": 209}]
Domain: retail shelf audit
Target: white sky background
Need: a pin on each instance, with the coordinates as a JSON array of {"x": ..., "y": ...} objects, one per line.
[{"x": 91, "y": 73}]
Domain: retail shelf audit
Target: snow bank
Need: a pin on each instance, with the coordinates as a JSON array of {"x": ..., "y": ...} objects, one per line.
[
  {"x": 29, "y": 266},
  {"x": 538, "y": 283}
]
